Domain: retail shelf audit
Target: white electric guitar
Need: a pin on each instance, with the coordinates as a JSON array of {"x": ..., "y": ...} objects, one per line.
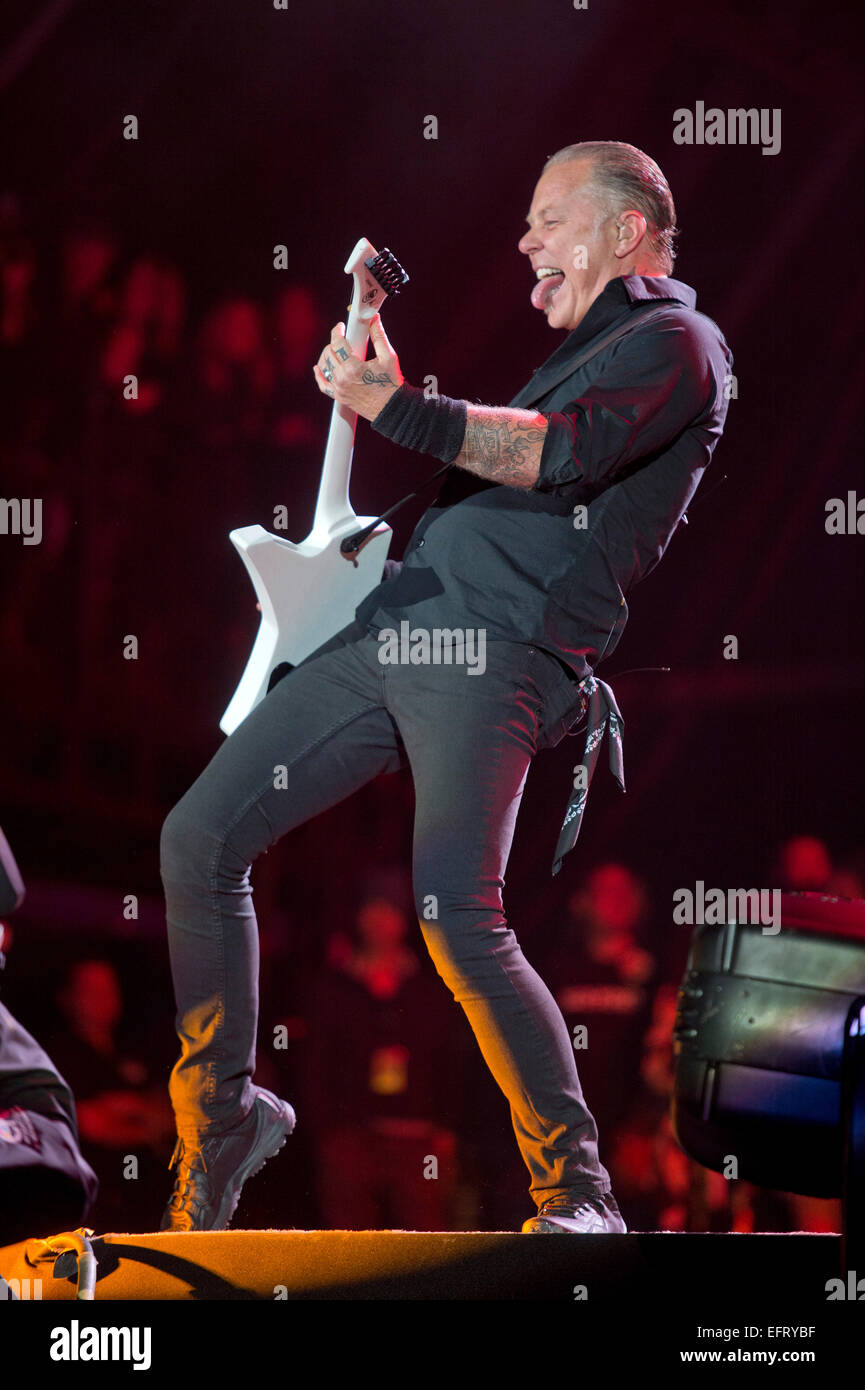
[{"x": 308, "y": 592}]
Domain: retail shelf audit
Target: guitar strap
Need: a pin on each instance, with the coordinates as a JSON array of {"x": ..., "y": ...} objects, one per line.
[
  {"x": 530, "y": 393},
  {"x": 525, "y": 397}
]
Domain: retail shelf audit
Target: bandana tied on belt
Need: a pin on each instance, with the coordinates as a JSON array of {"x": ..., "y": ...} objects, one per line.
[{"x": 602, "y": 710}]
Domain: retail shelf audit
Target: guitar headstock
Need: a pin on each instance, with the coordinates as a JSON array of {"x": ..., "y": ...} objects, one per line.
[{"x": 376, "y": 275}]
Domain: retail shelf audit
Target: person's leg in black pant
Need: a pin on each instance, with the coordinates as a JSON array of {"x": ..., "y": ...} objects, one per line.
[
  {"x": 470, "y": 740},
  {"x": 319, "y": 735},
  {"x": 329, "y": 727}
]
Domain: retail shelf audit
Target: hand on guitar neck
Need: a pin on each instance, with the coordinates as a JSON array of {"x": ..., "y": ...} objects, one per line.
[{"x": 362, "y": 385}]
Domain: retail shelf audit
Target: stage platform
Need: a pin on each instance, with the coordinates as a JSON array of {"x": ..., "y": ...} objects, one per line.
[{"x": 753, "y": 1271}]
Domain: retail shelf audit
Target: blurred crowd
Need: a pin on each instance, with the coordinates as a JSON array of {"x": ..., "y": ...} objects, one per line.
[
  {"x": 149, "y": 429},
  {"x": 402, "y": 1126}
]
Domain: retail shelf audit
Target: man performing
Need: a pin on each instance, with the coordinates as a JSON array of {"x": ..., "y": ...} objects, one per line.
[{"x": 553, "y": 508}]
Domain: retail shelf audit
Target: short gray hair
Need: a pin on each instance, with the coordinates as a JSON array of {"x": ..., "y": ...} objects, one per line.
[{"x": 624, "y": 177}]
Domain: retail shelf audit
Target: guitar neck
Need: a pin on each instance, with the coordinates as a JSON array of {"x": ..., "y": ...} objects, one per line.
[{"x": 333, "y": 510}]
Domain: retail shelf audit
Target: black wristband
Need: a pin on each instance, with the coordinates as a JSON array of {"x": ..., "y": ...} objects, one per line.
[{"x": 431, "y": 424}]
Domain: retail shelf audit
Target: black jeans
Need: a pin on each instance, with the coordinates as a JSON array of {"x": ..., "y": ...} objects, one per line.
[{"x": 336, "y": 721}]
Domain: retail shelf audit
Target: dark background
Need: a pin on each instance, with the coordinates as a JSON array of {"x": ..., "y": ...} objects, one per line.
[{"x": 305, "y": 127}]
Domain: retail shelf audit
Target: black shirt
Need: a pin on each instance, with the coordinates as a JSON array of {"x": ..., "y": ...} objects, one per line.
[{"x": 630, "y": 434}]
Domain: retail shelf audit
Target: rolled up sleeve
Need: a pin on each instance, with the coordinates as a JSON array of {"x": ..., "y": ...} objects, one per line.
[{"x": 657, "y": 383}]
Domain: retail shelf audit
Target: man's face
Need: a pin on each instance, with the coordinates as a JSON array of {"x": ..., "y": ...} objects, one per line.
[{"x": 569, "y": 232}]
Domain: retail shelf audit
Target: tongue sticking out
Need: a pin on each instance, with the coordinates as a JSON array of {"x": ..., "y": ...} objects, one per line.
[{"x": 544, "y": 290}]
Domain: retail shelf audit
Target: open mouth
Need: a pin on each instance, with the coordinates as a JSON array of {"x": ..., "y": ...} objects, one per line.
[{"x": 549, "y": 280}]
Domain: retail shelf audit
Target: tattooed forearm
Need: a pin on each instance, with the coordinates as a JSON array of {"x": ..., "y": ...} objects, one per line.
[{"x": 503, "y": 445}]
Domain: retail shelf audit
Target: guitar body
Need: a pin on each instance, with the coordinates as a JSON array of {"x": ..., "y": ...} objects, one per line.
[{"x": 309, "y": 592}]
